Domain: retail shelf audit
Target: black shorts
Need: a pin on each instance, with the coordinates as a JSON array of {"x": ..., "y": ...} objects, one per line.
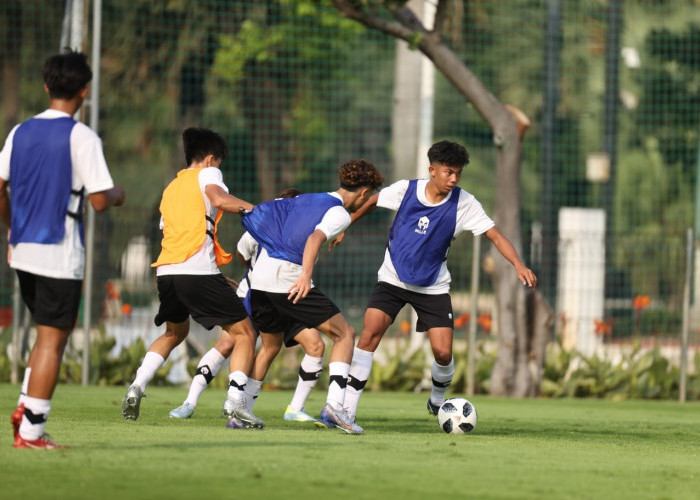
[
  {"x": 52, "y": 301},
  {"x": 209, "y": 299},
  {"x": 434, "y": 311},
  {"x": 274, "y": 313},
  {"x": 290, "y": 332}
]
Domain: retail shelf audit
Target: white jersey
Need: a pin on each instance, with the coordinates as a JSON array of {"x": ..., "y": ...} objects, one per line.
[
  {"x": 278, "y": 276},
  {"x": 470, "y": 217},
  {"x": 65, "y": 259},
  {"x": 248, "y": 248},
  {"x": 203, "y": 262}
]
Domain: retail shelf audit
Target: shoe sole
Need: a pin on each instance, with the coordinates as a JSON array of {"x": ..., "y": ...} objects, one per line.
[
  {"x": 130, "y": 409},
  {"x": 247, "y": 422}
]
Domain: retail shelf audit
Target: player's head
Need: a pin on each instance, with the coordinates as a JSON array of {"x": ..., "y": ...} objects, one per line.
[
  {"x": 201, "y": 142},
  {"x": 447, "y": 159},
  {"x": 66, "y": 74},
  {"x": 357, "y": 174},
  {"x": 448, "y": 153},
  {"x": 360, "y": 178},
  {"x": 289, "y": 193}
]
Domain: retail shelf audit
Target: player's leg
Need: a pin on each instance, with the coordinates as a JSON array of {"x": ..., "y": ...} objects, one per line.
[
  {"x": 54, "y": 306},
  {"x": 47, "y": 354},
  {"x": 443, "y": 368},
  {"x": 207, "y": 368},
  {"x": 382, "y": 307},
  {"x": 270, "y": 345},
  {"x": 309, "y": 371},
  {"x": 175, "y": 314},
  {"x": 240, "y": 365},
  {"x": 154, "y": 359},
  {"x": 374, "y": 327},
  {"x": 435, "y": 316},
  {"x": 343, "y": 335}
]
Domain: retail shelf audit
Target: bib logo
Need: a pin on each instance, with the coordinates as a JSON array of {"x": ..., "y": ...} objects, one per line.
[{"x": 423, "y": 224}]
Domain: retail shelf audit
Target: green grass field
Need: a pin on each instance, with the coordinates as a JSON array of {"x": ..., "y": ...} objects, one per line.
[{"x": 536, "y": 449}]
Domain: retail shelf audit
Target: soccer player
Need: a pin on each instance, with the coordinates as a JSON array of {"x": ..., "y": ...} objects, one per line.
[
  {"x": 210, "y": 364},
  {"x": 49, "y": 162},
  {"x": 188, "y": 276},
  {"x": 291, "y": 233},
  {"x": 430, "y": 213}
]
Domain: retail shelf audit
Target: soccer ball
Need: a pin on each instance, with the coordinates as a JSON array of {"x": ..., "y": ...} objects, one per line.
[{"x": 457, "y": 416}]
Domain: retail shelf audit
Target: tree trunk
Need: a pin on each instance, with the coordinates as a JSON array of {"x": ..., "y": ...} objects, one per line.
[{"x": 510, "y": 375}]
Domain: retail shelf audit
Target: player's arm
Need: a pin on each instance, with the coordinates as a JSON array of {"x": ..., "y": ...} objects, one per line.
[
  {"x": 365, "y": 209},
  {"x": 503, "y": 244},
  {"x": 5, "y": 211},
  {"x": 221, "y": 200},
  {"x": 103, "y": 200},
  {"x": 302, "y": 286}
]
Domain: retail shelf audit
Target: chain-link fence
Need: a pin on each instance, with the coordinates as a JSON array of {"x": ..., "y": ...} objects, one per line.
[{"x": 297, "y": 89}]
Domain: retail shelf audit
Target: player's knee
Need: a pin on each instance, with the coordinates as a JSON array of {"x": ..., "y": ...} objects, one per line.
[
  {"x": 443, "y": 356},
  {"x": 369, "y": 340},
  {"x": 315, "y": 348}
]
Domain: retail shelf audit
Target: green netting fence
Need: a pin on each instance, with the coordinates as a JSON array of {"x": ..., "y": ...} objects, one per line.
[{"x": 297, "y": 89}]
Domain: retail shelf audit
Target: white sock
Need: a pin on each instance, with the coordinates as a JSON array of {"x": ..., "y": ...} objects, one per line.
[
  {"x": 338, "y": 381},
  {"x": 442, "y": 378},
  {"x": 236, "y": 385},
  {"x": 25, "y": 384},
  {"x": 309, "y": 371},
  {"x": 252, "y": 391},
  {"x": 36, "y": 412},
  {"x": 208, "y": 367},
  {"x": 359, "y": 374},
  {"x": 152, "y": 361}
]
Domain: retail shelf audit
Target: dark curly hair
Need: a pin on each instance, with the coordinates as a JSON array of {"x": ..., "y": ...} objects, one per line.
[
  {"x": 357, "y": 174},
  {"x": 448, "y": 153}
]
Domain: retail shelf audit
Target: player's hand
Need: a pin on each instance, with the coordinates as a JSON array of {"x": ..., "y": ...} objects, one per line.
[
  {"x": 232, "y": 283},
  {"x": 526, "y": 276},
  {"x": 336, "y": 242},
  {"x": 299, "y": 289}
]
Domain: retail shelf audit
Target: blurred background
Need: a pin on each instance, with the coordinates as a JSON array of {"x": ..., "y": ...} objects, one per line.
[{"x": 608, "y": 175}]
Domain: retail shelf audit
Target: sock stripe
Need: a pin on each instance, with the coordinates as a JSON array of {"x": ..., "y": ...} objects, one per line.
[
  {"x": 442, "y": 385},
  {"x": 356, "y": 383},
  {"x": 34, "y": 418},
  {"x": 338, "y": 379},
  {"x": 233, "y": 383},
  {"x": 309, "y": 376}
]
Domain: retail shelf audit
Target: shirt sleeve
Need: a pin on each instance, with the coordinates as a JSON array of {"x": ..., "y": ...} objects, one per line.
[
  {"x": 5, "y": 156},
  {"x": 247, "y": 246},
  {"x": 211, "y": 175},
  {"x": 89, "y": 160},
  {"x": 335, "y": 221},
  {"x": 471, "y": 215},
  {"x": 391, "y": 196}
]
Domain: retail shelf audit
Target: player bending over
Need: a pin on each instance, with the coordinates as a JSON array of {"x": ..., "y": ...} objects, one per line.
[
  {"x": 291, "y": 233},
  {"x": 211, "y": 362}
]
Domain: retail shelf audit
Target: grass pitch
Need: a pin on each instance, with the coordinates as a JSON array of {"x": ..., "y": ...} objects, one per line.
[{"x": 532, "y": 449}]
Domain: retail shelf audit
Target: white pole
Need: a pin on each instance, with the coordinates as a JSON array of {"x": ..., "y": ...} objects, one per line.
[
  {"x": 473, "y": 312},
  {"x": 425, "y": 127},
  {"x": 686, "y": 315},
  {"x": 90, "y": 225}
]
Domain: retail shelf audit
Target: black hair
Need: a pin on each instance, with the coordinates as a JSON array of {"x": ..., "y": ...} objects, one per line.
[
  {"x": 201, "y": 142},
  {"x": 66, "y": 74},
  {"x": 448, "y": 153},
  {"x": 289, "y": 193}
]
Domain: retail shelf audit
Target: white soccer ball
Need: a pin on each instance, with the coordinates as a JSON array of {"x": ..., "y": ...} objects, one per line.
[{"x": 457, "y": 416}]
